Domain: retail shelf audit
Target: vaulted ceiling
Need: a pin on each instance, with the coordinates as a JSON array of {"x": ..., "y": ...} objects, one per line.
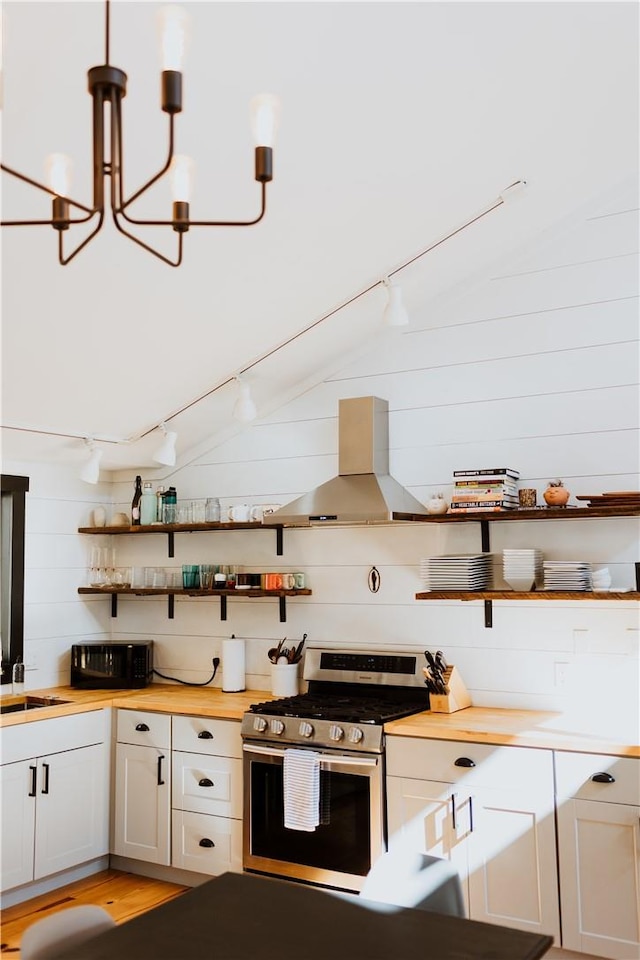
[{"x": 400, "y": 121}]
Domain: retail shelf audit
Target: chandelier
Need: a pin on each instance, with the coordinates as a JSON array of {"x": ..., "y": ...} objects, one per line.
[{"x": 108, "y": 87}]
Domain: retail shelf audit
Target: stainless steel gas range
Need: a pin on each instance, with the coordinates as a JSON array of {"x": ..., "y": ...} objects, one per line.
[{"x": 339, "y": 721}]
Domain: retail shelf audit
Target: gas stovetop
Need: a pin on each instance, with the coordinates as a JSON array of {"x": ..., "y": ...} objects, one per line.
[{"x": 351, "y": 695}]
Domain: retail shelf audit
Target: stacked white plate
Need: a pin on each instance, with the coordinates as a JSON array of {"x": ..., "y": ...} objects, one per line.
[
  {"x": 567, "y": 575},
  {"x": 522, "y": 569},
  {"x": 460, "y": 571}
]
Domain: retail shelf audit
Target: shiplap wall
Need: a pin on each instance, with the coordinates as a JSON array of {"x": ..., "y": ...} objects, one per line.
[{"x": 536, "y": 369}]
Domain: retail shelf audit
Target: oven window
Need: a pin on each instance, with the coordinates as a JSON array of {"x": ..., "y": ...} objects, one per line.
[{"x": 342, "y": 839}]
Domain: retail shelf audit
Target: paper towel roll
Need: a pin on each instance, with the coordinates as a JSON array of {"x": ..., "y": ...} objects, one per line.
[{"x": 233, "y": 680}]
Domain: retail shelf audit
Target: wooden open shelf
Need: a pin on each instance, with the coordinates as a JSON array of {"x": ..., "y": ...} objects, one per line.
[
  {"x": 535, "y": 513},
  {"x": 531, "y": 595},
  {"x": 171, "y": 592},
  {"x": 170, "y": 529}
]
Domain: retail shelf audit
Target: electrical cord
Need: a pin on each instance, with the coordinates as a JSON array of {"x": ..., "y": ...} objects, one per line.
[{"x": 190, "y": 683}]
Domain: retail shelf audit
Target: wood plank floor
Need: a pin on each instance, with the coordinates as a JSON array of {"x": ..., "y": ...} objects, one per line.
[{"x": 123, "y": 895}]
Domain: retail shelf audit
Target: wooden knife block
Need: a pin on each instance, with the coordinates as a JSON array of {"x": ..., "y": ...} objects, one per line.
[{"x": 458, "y": 697}]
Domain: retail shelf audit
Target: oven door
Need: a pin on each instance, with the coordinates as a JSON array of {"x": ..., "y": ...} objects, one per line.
[{"x": 340, "y": 851}]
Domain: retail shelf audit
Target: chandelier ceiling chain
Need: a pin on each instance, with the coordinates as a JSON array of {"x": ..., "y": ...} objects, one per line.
[{"x": 108, "y": 86}]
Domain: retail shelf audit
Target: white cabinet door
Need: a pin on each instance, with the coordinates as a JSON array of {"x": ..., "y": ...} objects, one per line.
[
  {"x": 429, "y": 817},
  {"x": 72, "y": 809},
  {"x": 512, "y": 866},
  {"x": 599, "y": 853},
  {"x": 143, "y": 803},
  {"x": 18, "y": 786}
]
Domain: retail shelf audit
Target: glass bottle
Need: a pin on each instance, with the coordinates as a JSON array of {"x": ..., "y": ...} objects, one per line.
[
  {"x": 17, "y": 676},
  {"x": 212, "y": 510},
  {"x": 170, "y": 505},
  {"x": 159, "y": 504},
  {"x": 148, "y": 504},
  {"x": 135, "y": 503}
]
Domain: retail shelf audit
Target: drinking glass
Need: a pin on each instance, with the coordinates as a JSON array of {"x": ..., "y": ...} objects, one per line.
[
  {"x": 207, "y": 571},
  {"x": 198, "y": 511},
  {"x": 190, "y": 576}
]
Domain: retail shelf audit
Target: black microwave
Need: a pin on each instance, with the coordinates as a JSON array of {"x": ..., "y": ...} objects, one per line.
[{"x": 114, "y": 664}]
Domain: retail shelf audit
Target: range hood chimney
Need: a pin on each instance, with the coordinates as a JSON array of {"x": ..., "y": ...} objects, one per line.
[{"x": 363, "y": 491}]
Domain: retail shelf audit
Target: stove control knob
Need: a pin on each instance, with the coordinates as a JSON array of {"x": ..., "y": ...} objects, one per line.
[
  {"x": 277, "y": 727},
  {"x": 355, "y": 735},
  {"x": 305, "y": 729},
  {"x": 336, "y": 732},
  {"x": 260, "y": 724}
]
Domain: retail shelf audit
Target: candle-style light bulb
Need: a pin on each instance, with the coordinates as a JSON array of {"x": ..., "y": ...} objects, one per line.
[
  {"x": 58, "y": 168},
  {"x": 265, "y": 111},
  {"x": 173, "y": 28},
  {"x": 181, "y": 173}
]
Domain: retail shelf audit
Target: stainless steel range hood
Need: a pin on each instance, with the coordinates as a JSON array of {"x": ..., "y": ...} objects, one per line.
[{"x": 363, "y": 491}]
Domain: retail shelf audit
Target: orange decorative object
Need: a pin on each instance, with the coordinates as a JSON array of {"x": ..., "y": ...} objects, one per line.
[{"x": 556, "y": 494}]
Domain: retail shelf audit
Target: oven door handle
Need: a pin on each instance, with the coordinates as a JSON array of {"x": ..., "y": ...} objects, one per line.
[{"x": 324, "y": 759}]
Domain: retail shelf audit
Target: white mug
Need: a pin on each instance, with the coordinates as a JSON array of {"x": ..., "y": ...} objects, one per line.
[
  {"x": 257, "y": 511},
  {"x": 240, "y": 513},
  {"x": 99, "y": 517}
]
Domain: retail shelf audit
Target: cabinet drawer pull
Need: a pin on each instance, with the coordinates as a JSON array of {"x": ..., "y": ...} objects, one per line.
[
  {"x": 34, "y": 771},
  {"x": 205, "y": 735},
  {"x": 464, "y": 762},
  {"x": 205, "y": 842},
  {"x": 603, "y": 778},
  {"x": 160, "y": 780},
  {"x": 142, "y": 728},
  {"x": 45, "y": 785},
  {"x": 205, "y": 782}
]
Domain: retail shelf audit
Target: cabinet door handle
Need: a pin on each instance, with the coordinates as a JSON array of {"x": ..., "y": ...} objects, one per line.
[
  {"x": 464, "y": 762},
  {"x": 205, "y": 782},
  {"x": 205, "y": 735},
  {"x": 453, "y": 811},
  {"x": 160, "y": 780},
  {"x": 205, "y": 842},
  {"x": 45, "y": 785},
  {"x": 603, "y": 778},
  {"x": 470, "y": 814},
  {"x": 142, "y": 728},
  {"x": 34, "y": 772}
]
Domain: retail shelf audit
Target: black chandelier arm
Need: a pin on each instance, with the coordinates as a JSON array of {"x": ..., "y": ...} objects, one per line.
[
  {"x": 63, "y": 261},
  {"x": 52, "y": 193},
  {"x": 122, "y": 203},
  {"x": 145, "y": 246},
  {"x": 208, "y": 223}
]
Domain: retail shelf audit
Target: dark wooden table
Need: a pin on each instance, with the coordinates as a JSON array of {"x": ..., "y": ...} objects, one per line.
[{"x": 246, "y": 917}]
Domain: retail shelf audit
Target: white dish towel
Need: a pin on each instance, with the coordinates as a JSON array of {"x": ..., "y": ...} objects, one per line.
[{"x": 301, "y": 773}]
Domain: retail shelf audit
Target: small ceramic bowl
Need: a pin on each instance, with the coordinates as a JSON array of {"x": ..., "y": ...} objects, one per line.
[{"x": 120, "y": 520}]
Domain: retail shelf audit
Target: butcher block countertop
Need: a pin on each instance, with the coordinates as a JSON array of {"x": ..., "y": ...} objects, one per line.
[
  {"x": 589, "y": 733},
  {"x": 524, "y": 728},
  {"x": 158, "y": 697}
]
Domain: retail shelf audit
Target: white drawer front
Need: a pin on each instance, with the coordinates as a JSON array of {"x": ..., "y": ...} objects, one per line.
[
  {"x": 206, "y": 784},
  {"x": 202, "y": 735},
  {"x": 206, "y": 844},
  {"x": 26, "y": 740},
  {"x": 446, "y": 760},
  {"x": 575, "y": 772},
  {"x": 143, "y": 727}
]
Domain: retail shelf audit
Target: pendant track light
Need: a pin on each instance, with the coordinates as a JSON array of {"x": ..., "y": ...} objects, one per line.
[
  {"x": 108, "y": 88},
  {"x": 395, "y": 314},
  {"x": 166, "y": 452},
  {"x": 90, "y": 472},
  {"x": 244, "y": 409}
]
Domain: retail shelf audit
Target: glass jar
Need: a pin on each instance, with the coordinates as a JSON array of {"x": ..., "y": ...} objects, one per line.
[{"x": 212, "y": 510}]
